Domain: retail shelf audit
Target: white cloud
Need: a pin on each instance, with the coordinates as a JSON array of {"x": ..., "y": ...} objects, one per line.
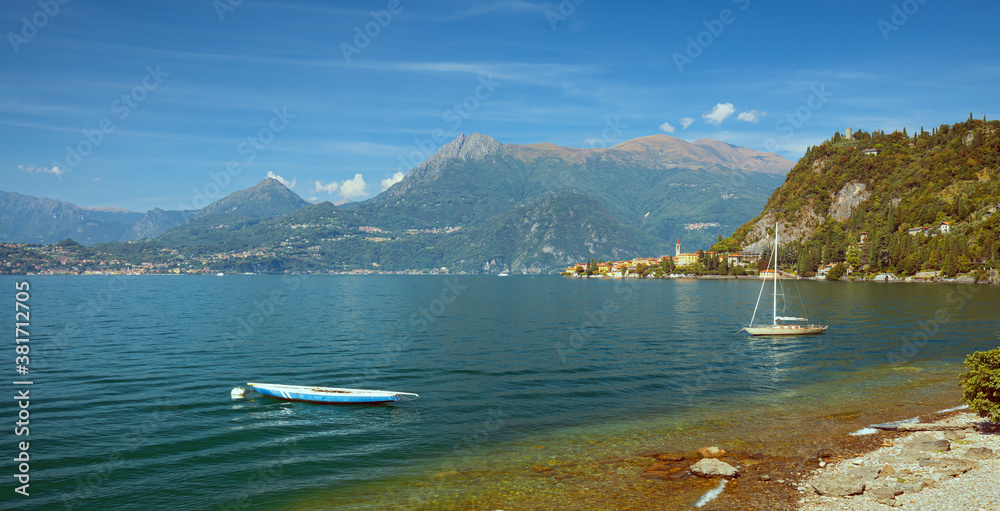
[
  {"x": 355, "y": 187},
  {"x": 751, "y": 116},
  {"x": 330, "y": 187},
  {"x": 685, "y": 122},
  {"x": 666, "y": 127},
  {"x": 43, "y": 170},
  {"x": 280, "y": 179},
  {"x": 719, "y": 113},
  {"x": 386, "y": 183}
]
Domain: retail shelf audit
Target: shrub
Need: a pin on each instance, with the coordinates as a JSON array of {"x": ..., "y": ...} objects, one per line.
[
  {"x": 982, "y": 383},
  {"x": 836, "y": 272}
]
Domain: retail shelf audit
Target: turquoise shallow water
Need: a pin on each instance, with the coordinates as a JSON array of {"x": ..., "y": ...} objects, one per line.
[{"x": 131, "y": 410}]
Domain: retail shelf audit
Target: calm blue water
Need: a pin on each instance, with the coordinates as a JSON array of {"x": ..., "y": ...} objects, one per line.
[{"x": 131, "y": 409}]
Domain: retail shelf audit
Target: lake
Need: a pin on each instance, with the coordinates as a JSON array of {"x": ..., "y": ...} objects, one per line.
[{"x": 130, "y": 404}]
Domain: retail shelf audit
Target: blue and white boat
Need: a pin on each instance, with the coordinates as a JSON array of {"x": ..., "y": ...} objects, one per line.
[{"x": 330, "y": 395}]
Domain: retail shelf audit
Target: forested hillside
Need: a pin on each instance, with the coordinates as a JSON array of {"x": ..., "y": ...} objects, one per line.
[{"x": 889, "y": 202}]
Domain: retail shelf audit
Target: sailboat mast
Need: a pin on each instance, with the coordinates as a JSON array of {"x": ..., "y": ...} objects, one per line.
[{"x": 774, "y": 294}]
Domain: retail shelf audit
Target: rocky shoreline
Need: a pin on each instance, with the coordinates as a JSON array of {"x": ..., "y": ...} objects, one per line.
[
  {"x": 950, "y": 464},
  {"x": 947, "y": 461}
]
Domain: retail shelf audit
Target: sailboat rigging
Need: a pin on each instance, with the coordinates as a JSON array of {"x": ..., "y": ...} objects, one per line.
[{"x": 780, "y": 325}]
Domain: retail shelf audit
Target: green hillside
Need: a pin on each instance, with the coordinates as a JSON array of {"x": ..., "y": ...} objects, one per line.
[{"x": 922, "y": 201}]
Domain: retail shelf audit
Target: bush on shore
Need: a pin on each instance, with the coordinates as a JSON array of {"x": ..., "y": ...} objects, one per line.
[{"x": 982, "y": 383}]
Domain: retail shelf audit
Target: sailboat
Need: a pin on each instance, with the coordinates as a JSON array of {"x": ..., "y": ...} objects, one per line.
[{"x": 780, "y": 325}]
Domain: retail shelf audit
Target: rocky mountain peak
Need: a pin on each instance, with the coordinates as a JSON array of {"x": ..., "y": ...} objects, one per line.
[{"x": 472, "y": 147}]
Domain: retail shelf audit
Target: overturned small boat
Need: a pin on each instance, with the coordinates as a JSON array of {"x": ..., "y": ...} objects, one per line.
[{"x": 330, "y": 395}]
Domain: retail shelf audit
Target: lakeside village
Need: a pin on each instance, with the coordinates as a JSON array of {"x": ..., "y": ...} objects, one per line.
[
  {"x": 711, "y": 264},
  {"x": 70, "y": 258}
]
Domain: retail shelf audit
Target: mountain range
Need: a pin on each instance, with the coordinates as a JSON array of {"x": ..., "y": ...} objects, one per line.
[
  {"x": 26, "y": 219},
  {"x": 475, "y": 205}
]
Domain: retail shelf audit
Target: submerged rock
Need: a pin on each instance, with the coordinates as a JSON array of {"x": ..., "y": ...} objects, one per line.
[
  {"x": 711, "y": 467},
  {"x": 669, "y": 457},
  {"x": 711, "y": 452}
]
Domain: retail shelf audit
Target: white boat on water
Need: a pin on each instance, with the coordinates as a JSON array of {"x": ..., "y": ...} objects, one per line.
[
  {"x": 330, "y": 395},
  {"x": 780, "y": 325}
]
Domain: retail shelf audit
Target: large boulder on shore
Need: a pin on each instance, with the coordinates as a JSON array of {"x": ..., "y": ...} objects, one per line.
[
  {"x": 979, "y": 453},
  {"x": 937, "y": 445},
  {"x": 838, "y": 485},
  {"x": 884, "y": 495},
  {"x": 711, "y": 467}
]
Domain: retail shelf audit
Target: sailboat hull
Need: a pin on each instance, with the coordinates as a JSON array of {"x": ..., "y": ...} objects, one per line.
[{"x": 786, "y": 329}]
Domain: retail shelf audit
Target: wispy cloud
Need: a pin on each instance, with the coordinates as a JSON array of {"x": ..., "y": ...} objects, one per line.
[
  {"x": 454, "y": 13},
  {"x": 537, "y": 73},
  {"x": 54, "y": 170},
  {"x": 751, "y": 116},
  {"x": 685, "y": 122}
]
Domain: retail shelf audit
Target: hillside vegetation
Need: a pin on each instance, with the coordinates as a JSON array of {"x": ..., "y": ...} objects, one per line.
[{"x": 926, "y": 201}]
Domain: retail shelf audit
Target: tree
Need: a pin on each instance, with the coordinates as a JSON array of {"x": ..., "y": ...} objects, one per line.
[
  {"x": 949, "y": 268},
  {"x": 836, "y": 272},
  {"x": 981, "y": 383},
  {"x": 640, "y": 270},
  {"x": 667, "y": 265}
]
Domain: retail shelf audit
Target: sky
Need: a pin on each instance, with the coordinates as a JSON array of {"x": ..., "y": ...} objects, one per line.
[{"x": 175, "y": 104}]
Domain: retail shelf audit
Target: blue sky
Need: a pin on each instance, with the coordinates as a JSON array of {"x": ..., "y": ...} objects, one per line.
[{"x": 174, "y": 104}]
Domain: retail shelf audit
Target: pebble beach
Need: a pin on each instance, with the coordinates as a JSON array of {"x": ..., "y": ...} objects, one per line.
[{"x": 941, "y": 470}]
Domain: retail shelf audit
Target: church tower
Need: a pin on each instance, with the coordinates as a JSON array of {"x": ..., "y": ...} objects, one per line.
[{"x": 677, "y": 249}]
